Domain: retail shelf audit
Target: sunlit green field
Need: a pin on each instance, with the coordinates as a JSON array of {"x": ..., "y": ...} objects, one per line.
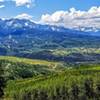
[{"x": 30, "y": 61}]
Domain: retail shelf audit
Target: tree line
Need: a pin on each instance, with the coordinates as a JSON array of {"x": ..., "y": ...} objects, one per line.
[{"x": 85, "y": 91}]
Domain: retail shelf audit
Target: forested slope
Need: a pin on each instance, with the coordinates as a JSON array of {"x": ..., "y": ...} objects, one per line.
[{"x": 44, "y": 80}]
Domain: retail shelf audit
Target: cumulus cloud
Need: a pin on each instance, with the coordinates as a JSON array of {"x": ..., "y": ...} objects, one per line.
[
  {"x": 27, "y": 3},
  {"x": 1, "y": 0},
  {"x": 24, "y": 16},
  {"x": 74, "y": 18},
  {"x": 2, "y": 6}
]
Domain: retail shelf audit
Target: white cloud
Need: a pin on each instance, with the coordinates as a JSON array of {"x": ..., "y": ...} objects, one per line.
[
  {"x": 1, "y": 0},
  {"x": 74, "y": 18},
  {"x": 24, "y": 16},
  {"x": 27, "y": 3},
  {"x": 2, "y": 6}
]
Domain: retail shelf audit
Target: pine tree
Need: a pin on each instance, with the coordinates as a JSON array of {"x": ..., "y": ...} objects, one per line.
[
  {"x": 98, "y": 91},
  {"x": 42, "y": 95},
  {"x": 58, "y": 93},
  {"x": 35, "y": 95},
  {"x": 2, "y": 81},
  {"x": 64, "y": 93},
  {"x": 27, "y": 96},
  {"x": 75, "y": 92},
  {"x": 88, "y": 86}
]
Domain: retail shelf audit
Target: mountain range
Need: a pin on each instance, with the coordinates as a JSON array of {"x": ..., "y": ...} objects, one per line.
[{"x": 24, "y": 38}]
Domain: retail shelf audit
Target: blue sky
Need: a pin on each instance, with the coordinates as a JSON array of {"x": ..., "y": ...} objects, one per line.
[
  {"x": 67, "y": 13},
  {"x": 39, "y": 7}
]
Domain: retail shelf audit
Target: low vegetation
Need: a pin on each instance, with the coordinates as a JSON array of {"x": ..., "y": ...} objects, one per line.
[
  {"x": 15, "y": 68},
  {"x": 81, "y": 50},
  {"x": 35, "y": 80},
  {"x": 69, "y": 85}
]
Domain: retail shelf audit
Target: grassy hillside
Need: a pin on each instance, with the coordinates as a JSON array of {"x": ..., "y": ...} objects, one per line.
[
  {"x": 29, "y": 79},
  {"x": 81, "y": 83},
  {"x": 29, "y": 61},
  {"x": 15, "y": 68}
]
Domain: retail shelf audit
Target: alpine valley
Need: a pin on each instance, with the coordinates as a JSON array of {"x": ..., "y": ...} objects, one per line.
[
  {"x": 47, "y": 62},
  {"x": 24, "y": 38}
]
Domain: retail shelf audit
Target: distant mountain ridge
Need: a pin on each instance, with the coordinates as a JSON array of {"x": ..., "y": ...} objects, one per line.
[
  {"x": 14, "y": 24},
  {"x": 24, "y": 38},
  {"x": 11, "y": 25}
]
